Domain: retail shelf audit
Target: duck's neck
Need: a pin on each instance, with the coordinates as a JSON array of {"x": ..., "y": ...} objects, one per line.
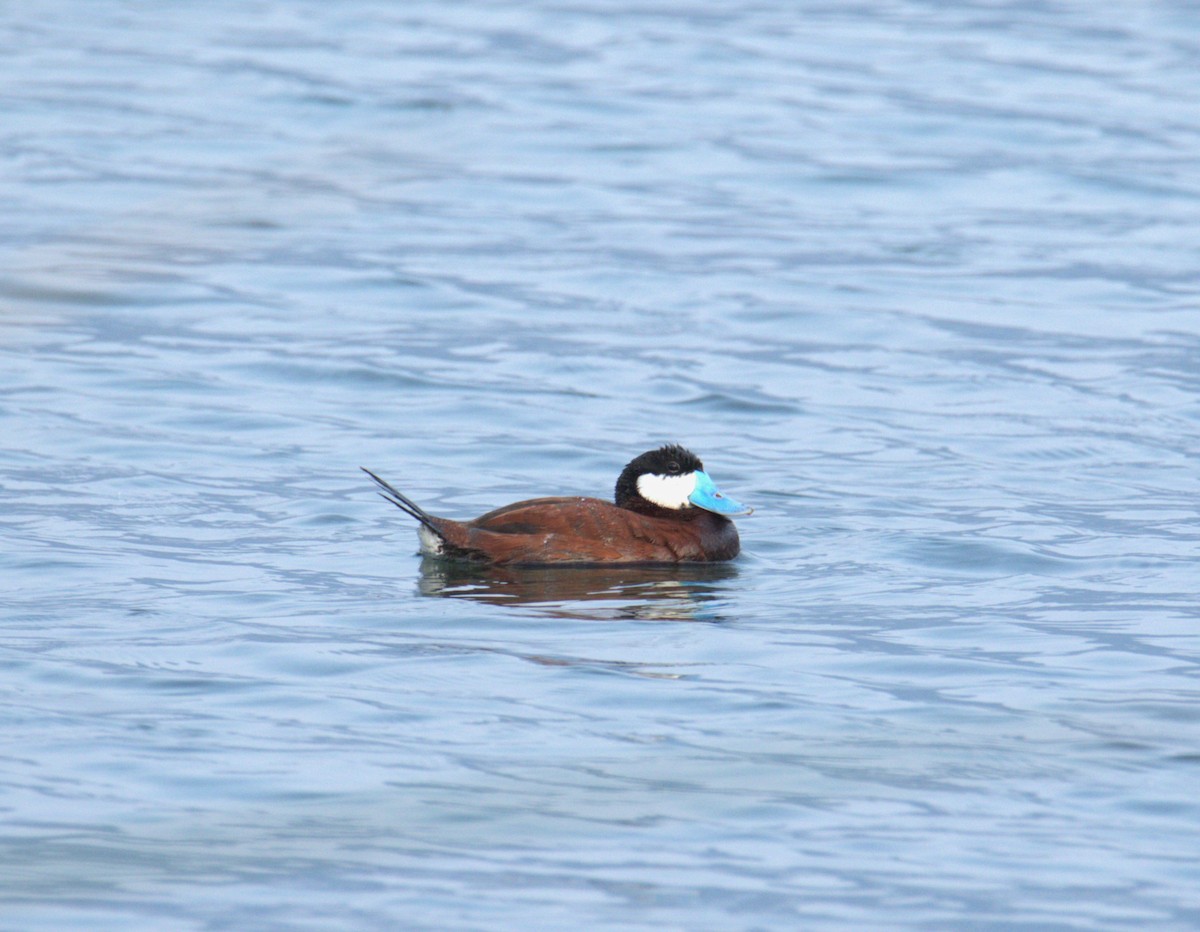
[{"x": 643, "y": 507}]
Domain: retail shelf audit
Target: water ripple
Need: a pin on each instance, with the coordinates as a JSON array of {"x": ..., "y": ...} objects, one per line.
[{"x": 916, "y": 279}]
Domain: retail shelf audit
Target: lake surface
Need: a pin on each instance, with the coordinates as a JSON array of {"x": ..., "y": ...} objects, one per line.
[{"x": 918, "y": 280}]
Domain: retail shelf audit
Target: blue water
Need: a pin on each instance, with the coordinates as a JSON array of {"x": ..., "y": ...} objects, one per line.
[{"x": 918, "y": 280}]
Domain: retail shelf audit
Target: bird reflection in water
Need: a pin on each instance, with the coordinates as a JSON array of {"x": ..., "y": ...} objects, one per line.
[{"x": 651, "y": 593}]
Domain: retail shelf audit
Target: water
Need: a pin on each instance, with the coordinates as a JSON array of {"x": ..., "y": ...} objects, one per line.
[{"x": 916, "y": 279}]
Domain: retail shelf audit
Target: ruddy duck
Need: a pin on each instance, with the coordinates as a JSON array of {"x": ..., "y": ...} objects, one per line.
[{"x": 667, "y": 510}]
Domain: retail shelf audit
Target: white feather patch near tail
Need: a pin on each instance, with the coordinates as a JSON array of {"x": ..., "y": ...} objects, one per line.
[{"x": 432, "y": 544}]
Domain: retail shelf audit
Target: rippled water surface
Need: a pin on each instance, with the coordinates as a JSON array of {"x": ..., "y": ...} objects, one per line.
[{"x": 917, "y": 279}]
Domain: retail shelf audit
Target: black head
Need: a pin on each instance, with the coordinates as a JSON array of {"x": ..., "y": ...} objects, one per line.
[{"x": 667, "y": 462}]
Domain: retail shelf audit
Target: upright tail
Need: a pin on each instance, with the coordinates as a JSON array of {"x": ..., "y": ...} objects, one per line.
[{"x": 403, "y": 502}]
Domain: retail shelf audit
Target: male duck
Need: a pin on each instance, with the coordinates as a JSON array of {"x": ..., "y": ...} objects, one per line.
[{"x": 667, "y": 510}]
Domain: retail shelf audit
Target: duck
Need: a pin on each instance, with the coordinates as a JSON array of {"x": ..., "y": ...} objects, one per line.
[{"x": 666, "y": 510}]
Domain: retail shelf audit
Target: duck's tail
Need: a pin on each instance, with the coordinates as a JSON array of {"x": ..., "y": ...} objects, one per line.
[{"x": 404, "y": 503}]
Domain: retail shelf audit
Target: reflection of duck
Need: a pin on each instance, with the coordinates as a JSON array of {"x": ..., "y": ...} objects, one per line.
[
  {"x": 667, "y": 511},
  {"x": 683, "y": 593}
]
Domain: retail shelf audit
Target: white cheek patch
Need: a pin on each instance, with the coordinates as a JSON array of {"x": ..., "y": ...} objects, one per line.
[{"x": 667, "y": 491}]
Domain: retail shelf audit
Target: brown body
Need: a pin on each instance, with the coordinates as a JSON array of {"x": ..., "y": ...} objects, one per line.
[{"x": 582, "y": 531}]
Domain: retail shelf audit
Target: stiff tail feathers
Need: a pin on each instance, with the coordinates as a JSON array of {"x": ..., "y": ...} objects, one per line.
[{"x": 403, "y": 502}]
